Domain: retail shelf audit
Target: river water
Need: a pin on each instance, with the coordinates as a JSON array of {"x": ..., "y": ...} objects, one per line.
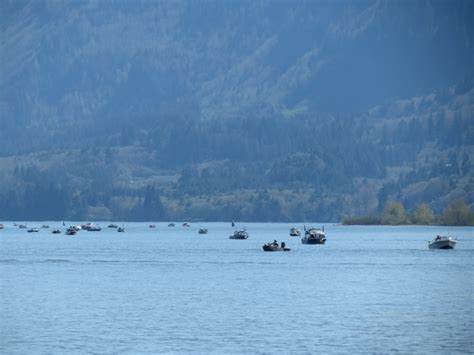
[{"x": 171, "y": 290}]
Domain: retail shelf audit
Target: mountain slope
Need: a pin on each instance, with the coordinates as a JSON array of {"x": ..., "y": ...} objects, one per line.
[{"x": 323, "y": 109}]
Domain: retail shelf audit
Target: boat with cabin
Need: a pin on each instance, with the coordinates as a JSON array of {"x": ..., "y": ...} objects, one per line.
[
  {"x": 242, "y": 234},
  {"x": 314, "y": 236},
  {"x": 202, "y": 231}
]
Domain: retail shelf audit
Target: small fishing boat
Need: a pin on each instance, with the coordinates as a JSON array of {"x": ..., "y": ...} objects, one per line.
[
  {"x": 295, "y": 232},
  {"x": 112, "y": 226},
  {"x": 71, "y": 231},
  {"x": 56, "y": 231},
  {"x": 33, "y": 230},
  {"x": 314, "y": 236},
  {"x": 274, "y": 246},
  {"x": 185, "y": 224},
  {"x": 1, "y": 226},
  {"x": 202, "y": 231},
  {"x": 121, "y": 229},
  {"x": 22, "y": 226},
  {"x": 171, "y": 225},
  {"x": 44, "y": 226},
  {"x": 151, "y": 226},
  {"x": 442, "y": 242},
  {"x": 91, "y": 228},
  {"x": 239, "y": 235}
]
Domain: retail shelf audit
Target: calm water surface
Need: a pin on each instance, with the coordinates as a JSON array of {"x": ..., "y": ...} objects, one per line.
[{"x": 171, "y": 290}]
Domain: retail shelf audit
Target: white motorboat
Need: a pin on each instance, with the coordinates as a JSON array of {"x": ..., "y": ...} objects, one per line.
[
  {"x": 314, "y": 236},
  {"x": 295, "y": 232},
  {"x": 442, "y": 242},
  {"x": 239, "y": 235}
]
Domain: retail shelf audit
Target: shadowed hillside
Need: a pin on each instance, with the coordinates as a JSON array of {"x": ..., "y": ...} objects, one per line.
[{"x": 255, "y": 110}]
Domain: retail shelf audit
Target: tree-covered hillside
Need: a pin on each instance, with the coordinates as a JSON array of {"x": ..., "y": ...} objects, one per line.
[{"x": 249, "y": 110}]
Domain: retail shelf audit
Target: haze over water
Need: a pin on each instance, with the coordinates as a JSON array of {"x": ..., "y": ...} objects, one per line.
[{"x": 368, "y": 290}]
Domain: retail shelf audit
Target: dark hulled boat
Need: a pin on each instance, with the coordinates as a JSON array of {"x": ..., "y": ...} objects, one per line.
[{"x": 274, "y": 246}]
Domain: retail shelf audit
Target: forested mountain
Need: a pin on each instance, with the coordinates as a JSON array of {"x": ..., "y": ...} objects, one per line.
[{"x": 250, "y": 110}]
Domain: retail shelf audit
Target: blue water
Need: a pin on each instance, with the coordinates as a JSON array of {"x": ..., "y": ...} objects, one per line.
[{"x": 171, "y": 290}]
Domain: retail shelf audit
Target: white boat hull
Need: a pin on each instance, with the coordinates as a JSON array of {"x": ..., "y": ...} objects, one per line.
[{"x": 443, "y": 244}]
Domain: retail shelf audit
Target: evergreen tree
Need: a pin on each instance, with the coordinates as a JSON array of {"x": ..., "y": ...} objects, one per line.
[{"x": 152, "y": 207}]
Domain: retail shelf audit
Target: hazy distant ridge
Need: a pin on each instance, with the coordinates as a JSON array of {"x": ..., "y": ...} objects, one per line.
[{"x": 332, "y": 107}]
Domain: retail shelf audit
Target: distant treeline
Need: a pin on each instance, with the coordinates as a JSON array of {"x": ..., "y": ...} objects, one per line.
[
  {"x": 313, "y": 167},
  {"x": 457, "y": 213}
]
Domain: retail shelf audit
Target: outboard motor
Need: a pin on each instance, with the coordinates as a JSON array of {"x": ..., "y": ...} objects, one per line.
[{"x": 283, "y": 244}]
